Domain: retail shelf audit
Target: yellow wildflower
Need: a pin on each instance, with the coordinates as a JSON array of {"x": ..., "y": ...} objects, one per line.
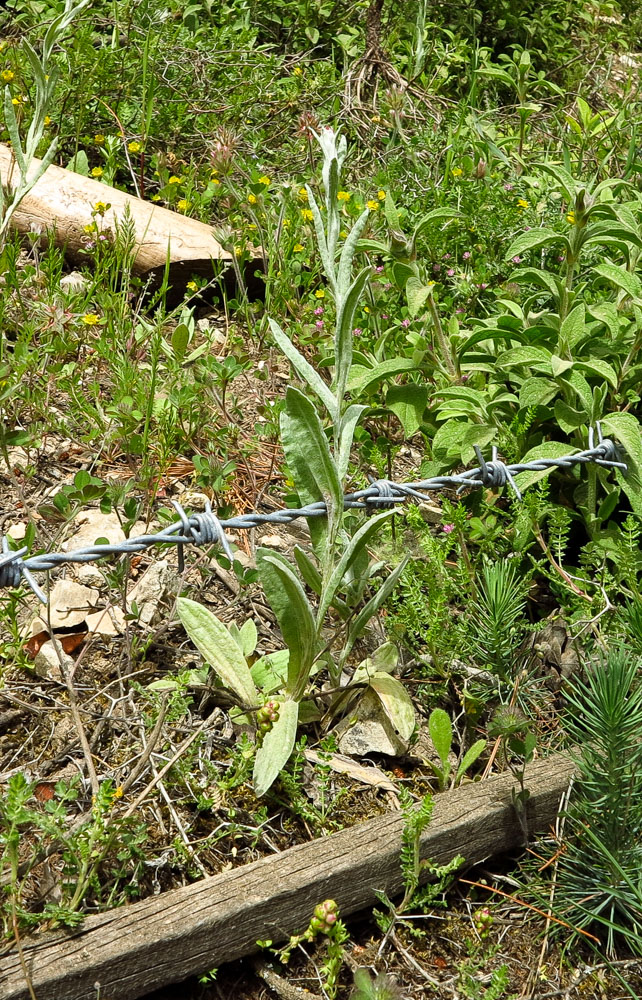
[
  {"x": 214, "y": 180},
  {"x": 238, "y": 251},
  {"x": 522, "y": 203},
  {"x": 457, "y": 171},
  {"x": 376, "y": 119},
  {"x": 344, "y": 195},
  {"x": 306, "y": 213},
  {"x": 193, "y": 287},
  {"x": 134, "y": 147},
  {"x": 118, "y": 794},
  {"x": 156, "y": 197},
  {"x": 97, "y": 172},
  {"x": 297, "y": 71},
  {"x": 91, "y": 228},
  {"x": 373, "y": 205},
  {"x": 320, "y": 293},
  {"x": 252, "y": 199},
  {"x": 343, "y": 234},
  {"x": 90, "y": 319},
  {"x": 303, "y": 194},
  {"x": 7, "y": 75},
  {"x": 175, "y": 180},
  {"x": 99, "y": 139},
  {"x": 183, "y": 205},
  {"x": 265, "y": 180},
  {"x": 100, "y": 207},
  {"x": 298, "y": 247},
  {"x": 381, "y": 195},
  {"x": 47, "y": 120},
  {"x": 366, "y": 309}
]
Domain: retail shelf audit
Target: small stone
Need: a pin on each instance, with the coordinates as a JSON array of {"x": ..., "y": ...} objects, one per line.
[
  {"x": 47, "y": 661},
  {"x": 273, "y": 542}
]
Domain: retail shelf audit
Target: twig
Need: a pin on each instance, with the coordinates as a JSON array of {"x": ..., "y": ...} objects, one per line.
[{"x": 279, "y": 985}]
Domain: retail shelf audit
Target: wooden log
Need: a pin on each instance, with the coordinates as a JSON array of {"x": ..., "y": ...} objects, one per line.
[
  {"x": 62, "y": 201},
  {"x": 138, "y": 948}
]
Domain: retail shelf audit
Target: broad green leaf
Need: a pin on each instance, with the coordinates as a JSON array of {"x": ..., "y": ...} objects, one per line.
[
  {"x": 408, "y": 403},
  {"x": 568, "y": 418},
  {"x": 549, "y": 449},
  {"x": 537, "y": 276},
  {"x": 624, "y": 427},
  {"x": 576, "y": 381},
  {"x": 287, "y": 599},
  {"x": 304, "y": 368},
  {"x": 484, "y": 334},
  {"x": 383, "y": 660},
  {"x": 416, "y": 293},
  {"x": 278, "y": 744},
  {"x": 564, "y": 179},
  {"x": 363, "y": 379},
  {"x": 391, "y": 213},
  {"x": 353, "y": 549},
  {"x": 396, "y": 702},
  {"x": 180, "y": 340},
  {"x": 441, "y": 733},
  {"x": 249, "y": 637},
  {"x": 572, "y": 328},
  {"x": 218, "y": 648},
  {"x": 525, "y": 355},
  {"x": 559, "y": 365},
  {"x": 308, "y": 454},
  {"x": 537, "y": 391},
  {"x": 601, "y": 368},
  {"x": 628, "y": 282},
  {"x": 533, "y": 240},
  {"x": 435, "y": 215},
  {"x": 469, "y": 759},
  {"x": 598, "y": 232},
  {"x": 269, "y": 672}
]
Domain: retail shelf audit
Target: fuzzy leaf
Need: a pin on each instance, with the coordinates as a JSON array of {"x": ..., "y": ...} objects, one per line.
[
  {"x": 441, "y": 733},
  {"x": 628, "y": 282},
  {"x": 469, "y": 759},
  {"x": 308, "y": 453},
  {"x": 396, "y": 702},
  {"x": 408, "y": 403},
  {"x": 304, "y": 368},
  {"x": 533, "y": 240},
  {"x": 549, "y": 449},
  {"x": 287, "y": 599},
  {"x": 274, "y": 753},
  {"x": 353, "y": 549},
  {"x": 363, "y": 379},
  {"x": 218, "y": 648}
]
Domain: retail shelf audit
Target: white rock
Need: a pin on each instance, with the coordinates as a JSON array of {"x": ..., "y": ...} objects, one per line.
[
  {"x": 47, "y": 661},
  {"x": 151, "y": 590}
]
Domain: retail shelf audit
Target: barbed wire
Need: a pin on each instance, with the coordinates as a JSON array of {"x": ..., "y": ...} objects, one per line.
[{"x": 205, "y": 528}]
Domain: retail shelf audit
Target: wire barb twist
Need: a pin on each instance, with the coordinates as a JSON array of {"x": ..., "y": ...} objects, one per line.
[{"x": 205, "y": 528}]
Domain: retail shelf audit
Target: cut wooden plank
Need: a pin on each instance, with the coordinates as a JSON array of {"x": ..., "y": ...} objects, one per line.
[
  {"x": 138, "y": 948},
  {"x": 62, "y": 201}
]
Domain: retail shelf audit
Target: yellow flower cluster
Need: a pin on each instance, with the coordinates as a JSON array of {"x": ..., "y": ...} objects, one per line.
[
  {"x": 522, "y": 203},
  {"x": 457, "y": 171},
  {"x": 306, "y": 213},
  {"x": 344, "y": 195}
]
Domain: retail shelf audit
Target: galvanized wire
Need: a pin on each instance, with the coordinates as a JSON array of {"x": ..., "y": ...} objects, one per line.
[{"x": 206, "y": 529}]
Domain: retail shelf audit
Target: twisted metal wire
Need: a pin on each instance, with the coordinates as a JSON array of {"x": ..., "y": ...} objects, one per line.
[{"x": 206, "y": 529}]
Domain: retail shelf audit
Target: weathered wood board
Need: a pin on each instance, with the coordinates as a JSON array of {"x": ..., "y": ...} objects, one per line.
[
  {"x": 135, "y": 949},
  {"x": 62, "y": 202}
]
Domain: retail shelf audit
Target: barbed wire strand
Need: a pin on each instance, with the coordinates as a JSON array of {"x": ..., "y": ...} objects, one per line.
[{"x": 205, "y": 528}]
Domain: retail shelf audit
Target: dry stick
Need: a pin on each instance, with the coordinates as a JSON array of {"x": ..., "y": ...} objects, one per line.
[
  {"x": 149, "y": 749},
  {"x": 280, "y": 986},
  {"x": 170, "y": 763}
]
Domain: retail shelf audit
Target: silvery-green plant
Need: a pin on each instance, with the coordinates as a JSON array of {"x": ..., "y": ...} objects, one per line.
[
  {"x": 45, "y": 76},
  {"x": 318, "y": 460}
]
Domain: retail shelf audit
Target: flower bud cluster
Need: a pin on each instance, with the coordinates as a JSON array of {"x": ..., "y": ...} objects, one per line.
[
  {"x": 267, "y": 715},
  {"x": 324, "y": 919},
  {"x": 483, "y": 922}
]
